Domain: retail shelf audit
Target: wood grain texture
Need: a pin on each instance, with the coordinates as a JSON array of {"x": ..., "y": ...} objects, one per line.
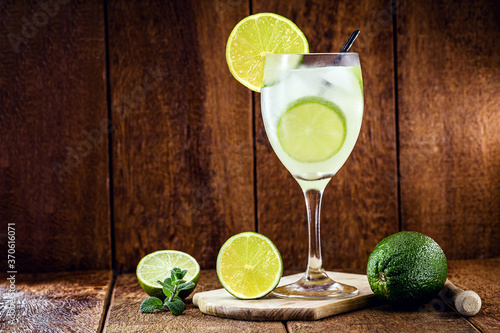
[
  {"x": 183, "y": 170},
  {"x": 480, "y": 276},
  {"x": 53, "y": 92},
  {"x": 360, "y": 203},
  {"x": 435, "y": 316},
  {"x": 385, "y": 319},
  {"x": 124, "y": 314},
  {"x": 220, "y": 303},
  {"x": 449, "y": 96},
  {"x": 56, "y": 302},
  {"x": 74, "y": 302}
]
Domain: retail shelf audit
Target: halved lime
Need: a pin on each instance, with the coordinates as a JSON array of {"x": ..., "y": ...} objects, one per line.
[
  {"x": 312, "y": 130},
  {"x": 157, "y": 265},
  {"x": 254, "y": 37},
  {"x": 249, "y": 265}
]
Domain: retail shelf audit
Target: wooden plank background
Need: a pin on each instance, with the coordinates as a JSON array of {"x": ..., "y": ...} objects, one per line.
[
  {"x": 183, "y": 170},
  {"x": 187, "y": 163},
  {"x": 54, "y": 174},
  {"x": 449, "y": 93}
]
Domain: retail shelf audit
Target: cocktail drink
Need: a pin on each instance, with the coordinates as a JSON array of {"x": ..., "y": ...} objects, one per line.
[{"x": 312, "y": 107}]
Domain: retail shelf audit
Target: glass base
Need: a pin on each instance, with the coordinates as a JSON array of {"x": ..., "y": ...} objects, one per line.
[{"x": 319, "y": 287}]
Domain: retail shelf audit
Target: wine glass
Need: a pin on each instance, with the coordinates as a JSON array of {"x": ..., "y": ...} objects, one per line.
[{"x": 312, "y": 107}]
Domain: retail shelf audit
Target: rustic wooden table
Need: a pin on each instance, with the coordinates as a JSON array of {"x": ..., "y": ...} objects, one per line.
[{"x": 94, "y": 301}]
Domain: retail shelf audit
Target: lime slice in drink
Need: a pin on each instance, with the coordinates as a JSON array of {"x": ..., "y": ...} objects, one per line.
[
  {"x": 254, "y": 37},
  {"x": 157, "y": 265},
  {"x": 312, "y": 130},
  {"x": 249, "y": 265},
  {"x": 356, "y": 70}
]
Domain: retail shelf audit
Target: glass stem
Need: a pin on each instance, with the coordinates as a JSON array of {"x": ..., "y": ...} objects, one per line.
[{"x": 315, "y": 269}]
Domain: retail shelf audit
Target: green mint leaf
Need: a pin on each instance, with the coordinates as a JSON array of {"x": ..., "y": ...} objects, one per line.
[
  {"x": 167, "y": 284},
  {"x": 185, "y": 286},
  {"x": 176, "y": 306},
  {"x": 178, "y": 282},
  {"x": 175, "y": 274},
  {"x": 167, "y": 292},
  {"x": 183, "y": 273},
  {"x": 151, "y": 303}
]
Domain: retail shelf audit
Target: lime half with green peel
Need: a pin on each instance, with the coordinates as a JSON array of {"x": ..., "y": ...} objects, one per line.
[
  {"x": 312, "y": 130},
  {"x": 407, "y": 268},
  {"x": 157, "y": 265},
  {"x": 249, "y": 265},
  {"x": 254, "y": 37}
]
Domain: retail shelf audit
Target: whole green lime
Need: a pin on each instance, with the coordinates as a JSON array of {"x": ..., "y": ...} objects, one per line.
[{"x": 407, "y": 268}]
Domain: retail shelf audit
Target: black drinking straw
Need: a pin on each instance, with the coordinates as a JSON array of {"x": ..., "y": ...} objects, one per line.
[
  {"x": 347, "y": 46},
  {"x": 350, "y": 41}
]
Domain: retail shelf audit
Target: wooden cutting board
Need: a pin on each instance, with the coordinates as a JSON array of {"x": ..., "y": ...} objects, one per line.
[{"x": 222, "y": 304}]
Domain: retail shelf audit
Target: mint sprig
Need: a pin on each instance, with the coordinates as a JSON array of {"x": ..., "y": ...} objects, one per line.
[
  {"x": 171, "y": 287},
  {"x": 150, "y": 304}
]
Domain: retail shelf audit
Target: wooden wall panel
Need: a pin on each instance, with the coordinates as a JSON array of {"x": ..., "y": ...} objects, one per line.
[
  {"x": 183, "y": 155},
  {"x": 360, "y": 203},
  {"x": 183, "y": 152},
  {"x": 53, "y": 178},
  {"x": 449, "y": 93}
]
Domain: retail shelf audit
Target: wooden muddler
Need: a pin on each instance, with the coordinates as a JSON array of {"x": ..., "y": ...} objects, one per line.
[{"x": 466, "y": 302}]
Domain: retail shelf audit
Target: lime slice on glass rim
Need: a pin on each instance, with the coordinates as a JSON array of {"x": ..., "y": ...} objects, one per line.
[
  {"x": 157, "y": 265},
  {"x": 312, "y": 129},
  {"x": 254, "y": 37},
  {"x": 249, "y": 265}
]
